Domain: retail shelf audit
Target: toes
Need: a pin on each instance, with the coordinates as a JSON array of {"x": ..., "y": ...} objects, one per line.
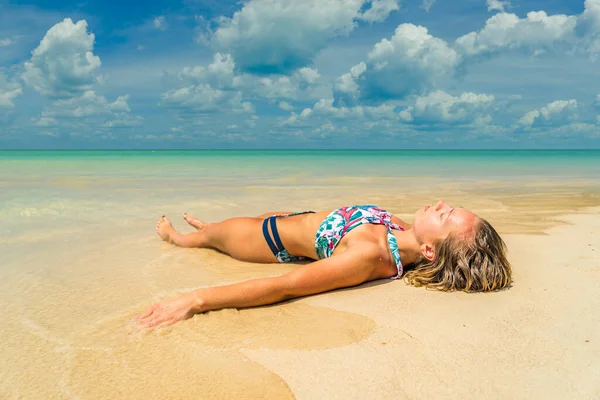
[{"x": 161, "y": 221}]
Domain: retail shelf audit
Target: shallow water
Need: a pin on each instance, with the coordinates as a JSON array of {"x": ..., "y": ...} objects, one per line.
[{"x": 80, "y": 256}]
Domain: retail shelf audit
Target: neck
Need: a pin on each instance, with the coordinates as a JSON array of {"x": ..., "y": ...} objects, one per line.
[{"x": 408, "y": 246}]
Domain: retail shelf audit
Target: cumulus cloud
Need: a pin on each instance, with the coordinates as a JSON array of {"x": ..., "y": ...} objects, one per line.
[
  {"x": 219, "y": 85},
  {"x": 324, "y": 110},
  {"x": 160, "y": 23},
  {"x": 497, "y": 5},
  {"x": 285, "y": 106},
  {"x": 88, "y": 109},
  {"x": 297, "y": 85},
  {"x": 208, "y": 88},
  {"x": 86, "y": 105},
  {"x": 556, "y": 113},
  {"x": 261, "y": 41},
  {"x": 8, "y": 91},
  {"x": 537, "y": 32},
  {"x": 204, "y": 98},
  {"x": 220, "y": 73},
  {"x": 427, "y": 4},
  {"x": 441, "y": 107},
  {"x": 409, "y": 62},
  {"x": 589, "y": 27},
  {"x": 507, "y": 31},
  {"x": 379, "y": 10},
  {"x": 293, "y": 118},
  {"x": 412, "y": 61},
  {"x": 8, "y": 41},
  {"x": 125, "y": 121},
  {"x": 63, "y": 65},
  {"x": 590, "y": 18},
  {"x": 45, "y": 121}
]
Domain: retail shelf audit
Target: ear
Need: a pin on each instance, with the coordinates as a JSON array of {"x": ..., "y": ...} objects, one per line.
[{"x": 428, "y": 251}]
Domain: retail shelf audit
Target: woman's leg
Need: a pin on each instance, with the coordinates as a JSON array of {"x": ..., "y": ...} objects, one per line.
[
  {"x": 241, "y": 238},
  {"x": 265, "y": 215}
]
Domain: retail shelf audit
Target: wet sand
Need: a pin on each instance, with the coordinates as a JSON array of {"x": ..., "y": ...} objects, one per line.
[{"x": 71, "y": 284}]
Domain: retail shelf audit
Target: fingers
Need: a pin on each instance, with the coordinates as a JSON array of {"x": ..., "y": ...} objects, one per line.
[
  {"x": 165, "y": 323},
  {"x": 148, "y": 312},
  {"x": 155, "y": 317}
]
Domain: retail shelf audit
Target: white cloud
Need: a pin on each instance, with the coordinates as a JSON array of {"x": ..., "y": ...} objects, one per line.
[
  {"x": 63, "y": 65},
  {"x": 427, "y": 4},
  {"x": 325, "y": 129},
  {"x": 219, "y": 74},
  {"x": 220, "y": 85},
  {"x": 46, "y": 121},
  {"x": 49, "y": 133},
  {"x": 294, "y": 118},
  {"x": 8, "y": 91},
  {"x": 441, "y": 107},
  {"x": 203, "y": 98},
  {"x": 89, "y": 109},
  {"x": 537, "y": 32},
  {"x": 591, "y": 15},
  {"x": 268, "y": 36},
  {"x": 64, "y": 68},
  {"x": 325, "y": 109},
  {"x": 275, "y": 88},
  {"x": 88, "y": 104},
  {"x": 285, "y": 106},
  {"x": 346, "y": 87},
  {"x": 507, "y": 31},
  {"x": 160, "y": 23},
  {"x": 588, "y": 26},
  {"x": 379, "y": 10},
  {"x": 124, "y": 122},
  {"x": 8, "y": 41},
  {"x": 556, "y": 113},
  {"x": 497, "y": 5},
  {"x": 308, "y": 75},
  {"x": 248, "y": 107},
  {"x": 410, "y": 61}
]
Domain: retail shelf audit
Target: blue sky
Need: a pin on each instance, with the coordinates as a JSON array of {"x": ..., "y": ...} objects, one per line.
[{"x": 300, "y": 74}]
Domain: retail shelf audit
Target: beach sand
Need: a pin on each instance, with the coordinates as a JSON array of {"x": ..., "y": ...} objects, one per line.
[{"x": 74, "y": 281}]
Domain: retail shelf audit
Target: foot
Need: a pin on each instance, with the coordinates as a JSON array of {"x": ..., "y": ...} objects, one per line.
[
  {"x": 164, "y": 228},
  {"x": 193, "y": 221}
]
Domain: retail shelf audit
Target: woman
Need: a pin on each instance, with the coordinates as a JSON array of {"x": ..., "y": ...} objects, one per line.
[{"x": 446, "y": 248}]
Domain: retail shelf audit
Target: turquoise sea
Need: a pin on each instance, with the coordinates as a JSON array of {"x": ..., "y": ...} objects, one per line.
[{"x": 460, "y": 164}]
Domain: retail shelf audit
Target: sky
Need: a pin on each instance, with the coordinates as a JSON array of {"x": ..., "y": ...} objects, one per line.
[{"x": 299, "y": 74}]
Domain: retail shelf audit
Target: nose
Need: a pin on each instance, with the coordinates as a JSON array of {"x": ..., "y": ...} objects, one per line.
[{"x": 439, "y": 205}]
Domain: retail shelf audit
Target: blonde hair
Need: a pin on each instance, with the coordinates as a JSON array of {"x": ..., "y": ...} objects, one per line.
[{"x": 475, "y": 262}]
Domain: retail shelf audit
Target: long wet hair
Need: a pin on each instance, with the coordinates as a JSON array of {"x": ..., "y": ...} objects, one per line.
[{"x": 472, "y": 262}]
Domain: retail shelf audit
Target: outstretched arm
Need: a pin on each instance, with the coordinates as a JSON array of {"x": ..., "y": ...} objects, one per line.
[{"x": 350, "y": 268}]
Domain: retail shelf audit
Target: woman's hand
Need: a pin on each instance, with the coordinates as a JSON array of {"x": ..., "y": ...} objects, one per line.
[{"x": 168, "y": 312}]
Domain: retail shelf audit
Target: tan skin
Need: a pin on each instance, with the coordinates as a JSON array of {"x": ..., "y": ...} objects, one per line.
[{"x": 361, "y": 256}]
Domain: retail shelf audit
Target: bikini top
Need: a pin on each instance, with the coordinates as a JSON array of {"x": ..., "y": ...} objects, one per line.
[{"x": 343, "y": 220}]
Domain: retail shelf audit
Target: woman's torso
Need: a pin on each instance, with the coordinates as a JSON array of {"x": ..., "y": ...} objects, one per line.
[{"x": 298, "y": 234}]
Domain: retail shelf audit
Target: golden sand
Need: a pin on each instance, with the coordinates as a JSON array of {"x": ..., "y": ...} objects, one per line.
[{"x": 66, "y": 331}]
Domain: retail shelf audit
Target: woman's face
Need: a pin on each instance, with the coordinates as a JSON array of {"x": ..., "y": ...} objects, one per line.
[{"x": 438, "y": 221}]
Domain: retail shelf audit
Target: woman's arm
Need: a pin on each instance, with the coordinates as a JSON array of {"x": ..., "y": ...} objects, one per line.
[{"x": 350, "y": 268}]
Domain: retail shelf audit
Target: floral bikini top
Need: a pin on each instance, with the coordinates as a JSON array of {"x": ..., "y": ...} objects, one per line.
[{"x": 343, "y": 220}]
